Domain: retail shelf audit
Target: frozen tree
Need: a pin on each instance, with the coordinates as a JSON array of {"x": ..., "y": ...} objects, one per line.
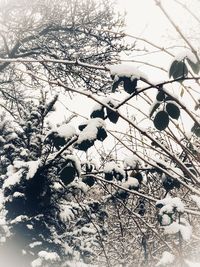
[{"x": 118, "y": 188}]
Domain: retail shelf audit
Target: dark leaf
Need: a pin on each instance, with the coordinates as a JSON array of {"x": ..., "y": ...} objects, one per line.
[
  {"x": 82, "y": 126},
  {"x": 116, "y": 84},
  {"x": 112, "y": 115},
  {"x": 195, "y": 66},
  {"x": 178, "y": 70},
  {"x": 156, "y": 105},
  {"x": 118, "y": 176},
  {"x": 99, "y": 113},
  {"x": 169, "y": 98},
  {"x": 68, "y": 173},
  {"x": 89, "y": 180},
  {"x": 160, "y": 96},
  {"x": 173, "y": 110},
  {"x": 139, "y": 177},
  {"x": 129, "y": 85},
  {"x": 101, "y": 134},
  {"x": 122, "y": 194},
  {"x": 109, "y": 176},
  {"x": 84, "y": 145},
  {"x": 161, "y": 120},
  {"x": 196, "y": 129}
]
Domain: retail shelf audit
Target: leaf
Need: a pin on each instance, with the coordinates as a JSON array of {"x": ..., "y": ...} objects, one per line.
[
  {"x": 84, "y": 145},
  {"x": 194, "y": 66},
  {"x": 178, "y": 69},
  {"x": 129, "y": 85},
  {"x": 101, "y": 134},
  {"x": 89, "y": 180},
  {"x": 112, "y": 115},
  {"x": 156, "y": 105},
  {"x": 108, "y": 176},
  {"x": 82, "y": 126},
  {"x": 196, "y": 129},
  {"x": 161, "y": 120},
  {"x": 68, "y": 173},
  {"x": 160, "y": 96},
  {"x": 116, "y": 83},
  {"x": 173, "y": 110},
  {"x": 98, "y": 113}
]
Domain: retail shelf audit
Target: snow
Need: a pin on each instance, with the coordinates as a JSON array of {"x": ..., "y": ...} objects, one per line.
[
  {"x": 79, "y": 264},
  {"x": 15, "y": 171},
  {"x": 14, "y": 176},
  {"x": 88, "y": 230},
  {"x": 192, "y": 264},
  {"x": 80, "y": 185},
  {"x": 19, "y": 218},
  {"x": 186, "y": 54},
  {"x": 90, "y": 131},
  {"x": 29, "y": 226},
  {"x": 32, "y": 168},
  {"x": 167, "y": 258},
  {"x": 66, "y": 131},
  {"x": 131, "y": 182},
  {"x": 183, "y": 227},
  {"x": 169, "y": 204},
  {"x": 196, "y": 199},
  {"x": 66, "y": 213},
  {"x": 131, "y": 162},
  {"x": 96, "y": 107},
  {"x": 166, "y": 220},
  {"x": 75, "y": 160},
  {"x": 36, "y": 263},
  {"x": 34, "y": 244},
  {"x": 51, "y": 256},
  {"x": 126, "y": 70},
  {"x": 18, "y": 194},
  {"x": 109, "y": 167},
  {"x": 112, "y": 166}
]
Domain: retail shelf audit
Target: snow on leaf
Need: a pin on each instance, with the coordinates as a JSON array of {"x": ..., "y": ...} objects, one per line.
[
  {"x": 66, "y": 131},
  {"x": 166, "y": 220},
  {"x": 75, "y": 160},
  {"x": 186, "y": 54},
  {"x": 167, "y": 258},
  {"x": 91, "y": 130},
  {"x": 131, "y": 162},
  {"x": 126, "y": 70},
  {"x": 131, "y": 183},
  {"x": 169, "y": 204},
  {"x": 173, "y": 228}
]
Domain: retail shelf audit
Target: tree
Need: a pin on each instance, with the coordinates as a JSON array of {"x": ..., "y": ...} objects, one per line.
[{"x": 138, "y": 205}]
